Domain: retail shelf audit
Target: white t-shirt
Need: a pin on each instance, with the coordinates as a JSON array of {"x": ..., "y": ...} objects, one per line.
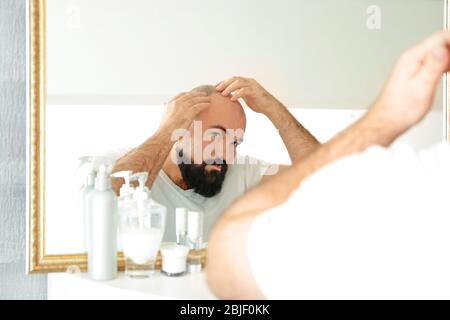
[
  {"x": 239, "y": 178},
  {"x": 372, "y": 225}
]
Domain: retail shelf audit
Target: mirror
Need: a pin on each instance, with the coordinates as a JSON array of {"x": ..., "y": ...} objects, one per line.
[{"x": 102, "y": 73}]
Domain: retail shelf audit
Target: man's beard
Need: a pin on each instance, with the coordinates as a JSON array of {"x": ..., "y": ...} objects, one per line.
[{"x": 204, "y": 182}]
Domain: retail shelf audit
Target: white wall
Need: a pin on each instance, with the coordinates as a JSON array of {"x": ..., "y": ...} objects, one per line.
[{"x": 309, "y": 53}]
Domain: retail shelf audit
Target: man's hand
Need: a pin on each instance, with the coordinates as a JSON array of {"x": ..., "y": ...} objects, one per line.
[
  {"x": 183, "y": 109},
  {"x": 297, "y": 139},
  {"x": 410, "y": 91},
  {"x": 405, "y": 100},
  {"x": 254, "y": 95}
]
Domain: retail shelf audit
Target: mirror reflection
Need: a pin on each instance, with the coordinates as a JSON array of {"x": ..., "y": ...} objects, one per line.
[{"x": 190, "y": 104}]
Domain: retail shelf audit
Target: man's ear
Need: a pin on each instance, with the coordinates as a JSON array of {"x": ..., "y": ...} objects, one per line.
[
  {"x": 178, "y": 147},
  {"x": 175, "y": 152}
]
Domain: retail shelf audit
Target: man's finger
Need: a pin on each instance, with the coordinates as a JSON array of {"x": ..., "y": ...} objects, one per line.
[
  {"x": 238, "y": 94},
  {"x": 195, "y": 100},
  {"x": 192, "y": 94},
  {"x": 178, "y": 96},
  {"x": 437, "y": 40},
  {"x": 236, "y": 85},
  {"x": 201, "y": 106},
  {"x": 222, "y": 85}
]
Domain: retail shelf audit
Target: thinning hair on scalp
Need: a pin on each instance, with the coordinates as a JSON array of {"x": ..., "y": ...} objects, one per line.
[
  {"x": 206, "y": 88},
  {"x": 210, "y": 90}
]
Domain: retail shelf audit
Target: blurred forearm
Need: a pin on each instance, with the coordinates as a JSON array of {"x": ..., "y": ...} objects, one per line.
[
  {"x": 228, "y": 271},
  {"x": 372, "y": 129}
]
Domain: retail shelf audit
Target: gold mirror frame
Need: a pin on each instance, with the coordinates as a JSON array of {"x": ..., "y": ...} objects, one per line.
[{"x": 37, "y": 260}]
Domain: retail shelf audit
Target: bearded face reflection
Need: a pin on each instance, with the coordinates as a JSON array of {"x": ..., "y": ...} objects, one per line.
[{"x": 203, "y": 178}]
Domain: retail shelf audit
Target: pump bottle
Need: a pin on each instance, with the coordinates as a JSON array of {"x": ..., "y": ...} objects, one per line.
[
  {"x": 102, "y": 253},
  {"x": 85, "y": 190},
  {"x": 125, "y": 201},
  {"x": 92, "y": 164}
]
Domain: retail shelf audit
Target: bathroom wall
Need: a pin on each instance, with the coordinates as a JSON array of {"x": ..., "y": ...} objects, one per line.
[
  {"x": 14, "y": 284},
  {"x": 308, "y": 53}
]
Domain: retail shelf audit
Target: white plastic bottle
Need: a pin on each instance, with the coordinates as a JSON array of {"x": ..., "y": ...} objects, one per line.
[
  {"x": 85, "y": 190},
  {"x": 102, "y": 253}
]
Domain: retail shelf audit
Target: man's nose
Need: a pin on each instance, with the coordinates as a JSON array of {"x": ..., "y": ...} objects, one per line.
[{"x": 219, "y": 150}]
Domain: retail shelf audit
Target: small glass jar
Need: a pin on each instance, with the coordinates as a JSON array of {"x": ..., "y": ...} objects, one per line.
[{"x": 174, "y": 259}]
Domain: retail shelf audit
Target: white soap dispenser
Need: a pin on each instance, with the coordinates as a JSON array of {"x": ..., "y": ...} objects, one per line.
[
  {"x": 126, "y": 190},
  {"x": 86, "y": 189},
  {"x": 125, "y": 201},
  {"x": 102, "y": 253},
  {"x": 92, "y": 163},
  {"x": 141, "y": 194}
]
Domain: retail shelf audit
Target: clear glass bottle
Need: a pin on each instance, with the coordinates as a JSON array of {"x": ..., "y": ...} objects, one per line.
[
  {"x": 195, "y": 241},
  {"x": 142, "y": 231}
]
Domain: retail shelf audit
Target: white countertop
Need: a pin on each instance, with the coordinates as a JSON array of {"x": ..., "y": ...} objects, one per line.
[{"x": 75, "y": 286}]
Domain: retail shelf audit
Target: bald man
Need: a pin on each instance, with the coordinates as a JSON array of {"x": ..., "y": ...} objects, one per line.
[{"x": 191, "y": 159}]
